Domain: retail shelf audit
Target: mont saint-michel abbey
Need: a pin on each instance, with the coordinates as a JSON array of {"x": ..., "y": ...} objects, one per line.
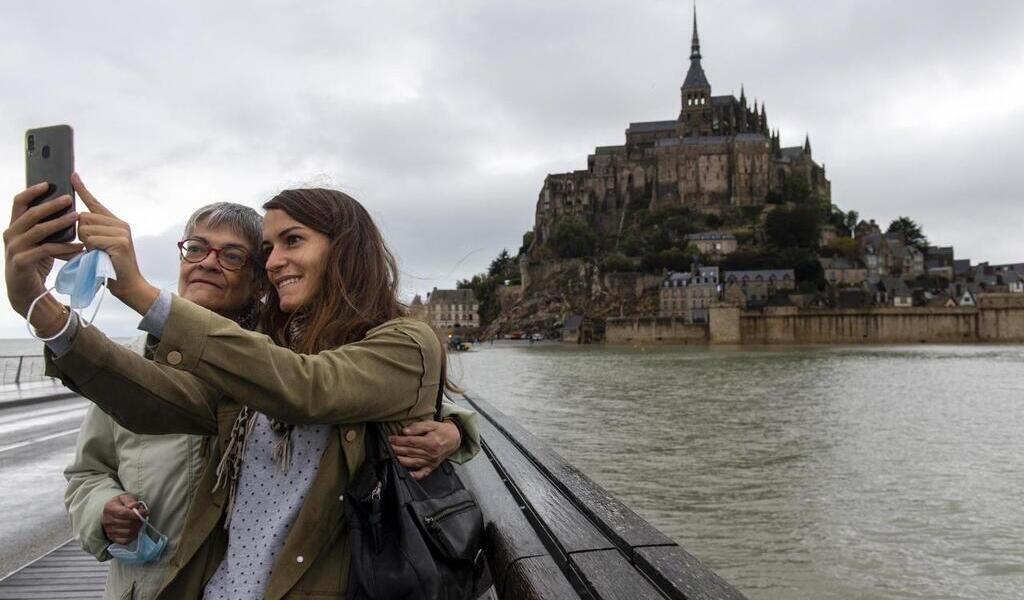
[{"x": 719, "y": 155}]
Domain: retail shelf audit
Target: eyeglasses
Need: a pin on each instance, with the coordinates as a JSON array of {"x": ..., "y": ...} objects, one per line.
[{"x": 195, "y": 251}]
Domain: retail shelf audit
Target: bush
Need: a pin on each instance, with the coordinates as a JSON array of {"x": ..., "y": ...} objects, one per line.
[
  {"x": 572, "y": 238},
  {"x": 793, "y": 228},
  {"x": 843, "y": 246},
  {"x": 795, "y": 189},
  {"x": 672, "y": 259},
  {"x": 616, "y": 263},
  {"x": 751, "y": 213},
  {"x": 527, "y": 242}
]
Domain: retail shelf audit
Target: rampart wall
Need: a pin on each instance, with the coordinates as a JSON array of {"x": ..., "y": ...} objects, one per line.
[
  {"x": 997, "y": 318},
  {"x": 652, "y": 330}
]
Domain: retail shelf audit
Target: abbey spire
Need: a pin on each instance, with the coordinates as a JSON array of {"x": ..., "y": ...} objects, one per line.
[
  {"x": 696, "y": 91},
  {"x": 695, "y": 77}
]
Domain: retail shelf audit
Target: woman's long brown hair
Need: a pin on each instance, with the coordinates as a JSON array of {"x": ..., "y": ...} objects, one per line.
[{"x": 359, "y": 289}]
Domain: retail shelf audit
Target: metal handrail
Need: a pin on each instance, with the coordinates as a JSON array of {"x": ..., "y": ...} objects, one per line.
[{"x": 22, "y": 368}]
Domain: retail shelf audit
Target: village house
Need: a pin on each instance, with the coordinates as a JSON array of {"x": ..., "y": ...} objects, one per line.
[
  {"x": 1013, "y": 281},
  {"x": 938, "y": 261},
  {"x": 688, "y": 295},
  {"x": 755, "y": 287},
  {"x": 893, "y": 291},
  {"x": 843, "y": 272},
  {"x": 452, "y": 309},
  {"x": 713, "y": 243},
  {"x": 886, "y": 255}
]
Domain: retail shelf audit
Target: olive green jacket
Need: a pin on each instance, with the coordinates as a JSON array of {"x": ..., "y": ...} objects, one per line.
[
  {"x": 203, "y": 361},
  {"x": 163, "y": 470}
]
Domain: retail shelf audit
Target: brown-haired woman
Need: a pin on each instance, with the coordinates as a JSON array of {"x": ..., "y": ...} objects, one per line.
[{"x": 288, "y": 410}]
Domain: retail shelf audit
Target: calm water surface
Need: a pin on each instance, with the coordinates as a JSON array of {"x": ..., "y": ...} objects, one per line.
[{"x": 832, "y": 473}]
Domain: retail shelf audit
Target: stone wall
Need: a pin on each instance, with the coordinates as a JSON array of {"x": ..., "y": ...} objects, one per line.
[
  {"x": 1001, "y": 317},
  {"x": 631, "y": 330},
  {"x": 998, "y": 318}
]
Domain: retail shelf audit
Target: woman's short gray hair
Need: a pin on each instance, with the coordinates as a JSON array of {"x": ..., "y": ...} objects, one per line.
[{"x": 243, "y": 220}]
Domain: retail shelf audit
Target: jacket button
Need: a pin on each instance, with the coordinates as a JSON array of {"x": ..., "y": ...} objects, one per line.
[
  {"x": 350, "y": 435},
  {"x": 174, "y": 357},
  {"x": 299, "y": 559},
  {"x": 341, "y": 498}
]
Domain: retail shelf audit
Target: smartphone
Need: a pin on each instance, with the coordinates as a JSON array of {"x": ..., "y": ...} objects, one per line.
[{"x": 50, "y": 157}]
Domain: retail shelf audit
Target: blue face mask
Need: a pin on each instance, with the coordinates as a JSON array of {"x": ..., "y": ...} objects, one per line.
[
  {"x": 83, "y": 275},
  {"x": 143, "y": 550},
  {"x": 80, "y": 279}
]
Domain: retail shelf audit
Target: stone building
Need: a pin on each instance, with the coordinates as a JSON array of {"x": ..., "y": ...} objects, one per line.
[
  {"x": 841, "y": 271},
  {"x": 688, "y": 295},
  {"x": 713, "y": 243},
  {"x": 886, "y": 255},
  {"x": 717, "y": 156},
  {"x": 753, "y": 288},
  {"x": 452, "y": 309}
]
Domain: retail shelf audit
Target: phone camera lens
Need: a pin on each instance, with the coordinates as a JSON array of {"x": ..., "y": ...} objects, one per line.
[{"x": 46, "y": 152}]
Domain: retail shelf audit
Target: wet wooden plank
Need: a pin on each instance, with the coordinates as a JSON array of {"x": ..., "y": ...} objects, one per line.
[
  {"x": 582, "y": 549},
  {"x": 608, "y": 576},
  {"x": 515, "y": 553},
  {"x": 571, "y": 530},
  {"x": 537, "y": 577},
  {"x": 618, "y": 521},
  {"x": 675, "y": 569}
]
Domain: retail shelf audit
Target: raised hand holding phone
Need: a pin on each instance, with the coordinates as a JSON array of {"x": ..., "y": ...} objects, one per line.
[{"x": 29, "y": 257}]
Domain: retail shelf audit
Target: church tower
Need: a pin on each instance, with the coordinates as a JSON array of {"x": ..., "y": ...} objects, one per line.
[{"x": 695, "y": 116}]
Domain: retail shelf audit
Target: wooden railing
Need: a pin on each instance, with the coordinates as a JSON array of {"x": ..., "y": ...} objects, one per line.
[{"x": 552, "y": 533}]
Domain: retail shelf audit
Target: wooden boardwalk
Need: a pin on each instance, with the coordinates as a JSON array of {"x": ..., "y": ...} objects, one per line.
[{"x": 66, "y": 572}]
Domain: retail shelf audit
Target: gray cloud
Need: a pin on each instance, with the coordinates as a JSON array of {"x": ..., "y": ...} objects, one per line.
[{"x": 444, "y": 118}]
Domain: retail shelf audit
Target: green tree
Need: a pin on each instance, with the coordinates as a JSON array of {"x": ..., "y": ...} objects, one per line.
[
  {"x": 501, "y": 266},
  {"x": 571, "y": 238},
  {"x": 793, "y": 228},
  {"x": 795, "y": 189},
  {"x": 852, "y": 218},
  {"x": 613, "y": 263},
  {"x": 910, "y": 231},
  {"x": 485, "y": 290},
  {"x": 527, "y": 242},
  {"x": 842, "y": 246}
]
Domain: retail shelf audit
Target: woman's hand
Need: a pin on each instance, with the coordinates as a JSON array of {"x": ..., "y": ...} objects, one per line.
[
  {"x": 424, "y": 445},
  {"x": 29, "y": 259},
  {"x": 100, "y": 229},
  {"x": 120, "y": 524}
]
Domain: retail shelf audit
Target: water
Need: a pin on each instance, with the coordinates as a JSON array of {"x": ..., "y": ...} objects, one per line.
[{"x": 809, "y": 472}]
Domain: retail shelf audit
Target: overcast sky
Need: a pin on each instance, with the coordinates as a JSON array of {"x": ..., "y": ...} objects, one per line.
[{"x": 444, "y": 117}]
